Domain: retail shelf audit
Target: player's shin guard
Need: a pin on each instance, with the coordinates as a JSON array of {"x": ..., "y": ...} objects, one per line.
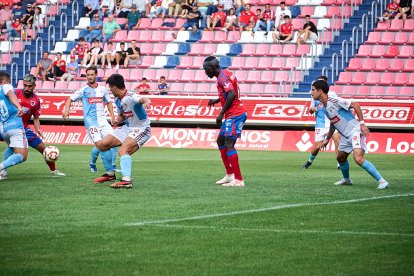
[
  {"x": 233, "y": 158},
  {"x": 107, "y": 161},
  {"x": 370, "y": 168},
  {"x": 7, "y": 153},
  {"x": 114, "y": 153},
  {"x": 344, "y": 167},
  {"x": 223, "y": 153},
  {"x": 94, "y": 155},
  {"x": 126, "y": 164},
  {"x": 311, "y": 157},
  {"x": 12, "y": 160}
]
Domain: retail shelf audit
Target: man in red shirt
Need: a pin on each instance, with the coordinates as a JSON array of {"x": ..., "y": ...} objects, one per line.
[
  {"x": 285, "y": 31},
  {"x": 143, "y": 88},
  {"x": 59, "y": 66},
  {"x": 246, "y": 17},
  {"x": 391, "y": 11},
  {"x": 235, "y": 116},
  {"x": 30, "y": 103},
  {"x": 266, "y": 19},
  {"x": 218, "y": 19},
  {"x": 80, "y": 49}
]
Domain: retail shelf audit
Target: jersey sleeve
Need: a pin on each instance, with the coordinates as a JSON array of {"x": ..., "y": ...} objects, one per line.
[
  {"x": 135, "y": 98},
  {"x": 77, "y": 95},
  {"x": 7, "y": 88},
  {"x": 345, "y": 104},
  {"x": 226, "y": 83},
  {"x": 106, "y": 96}
]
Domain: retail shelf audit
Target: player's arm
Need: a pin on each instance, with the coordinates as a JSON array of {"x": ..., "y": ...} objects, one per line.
[
  {"x": 145, "y": 102},
  {"x": 36, "y": 123},
  {"x": 213, "y": 101},
  {"x": 13, "y": 99},
  {"x": 231, "y": 95},
  {"x": 355, "y": 106},
  {"x": 66, "y": 109},
  {"x": 328, "y": 136},
  {"x": 110, "y": 107}
]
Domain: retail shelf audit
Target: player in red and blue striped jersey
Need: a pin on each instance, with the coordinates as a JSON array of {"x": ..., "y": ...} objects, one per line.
[{"x": 234, "y": 114}]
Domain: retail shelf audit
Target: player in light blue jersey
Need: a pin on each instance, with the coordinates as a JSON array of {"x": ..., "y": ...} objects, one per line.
[
  {"x": 94, "y": 97},
  {"x": 131, "y": 136},
  {"x": 11, "y": 125},
  {"x": 321, "y": 128},
  {"x": 353, "y": 132}
]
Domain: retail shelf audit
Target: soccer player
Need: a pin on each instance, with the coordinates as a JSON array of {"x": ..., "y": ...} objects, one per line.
[
  {"x": 235, "y": 116},
  {"x": 321, "y": 127},
  {"x": 353, "y": 132},
  {"x": 131, "y": 136},
  {"x": 11, "y": 124},
  {"x": 94, "y": 97},
  {"x": 30, "y": 103}
]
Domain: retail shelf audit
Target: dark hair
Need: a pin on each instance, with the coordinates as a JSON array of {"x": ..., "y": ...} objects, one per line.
[
  {"x": 81, "y": 39},
  {"x": 116, "y": 80},
  {"x": 307, "y": 15},
  {"x": 323, "y": 85},
  {"x": 4, "y": 77},
  {"x": 286, "y": 17},
  {"x": 162, "y": 77},
  {"x": 258, "y": 10},
  {"x": 325, "y": 78},
  {"x": 211, "y": 61},
  {"x": 144, "y": 79},
  {"x": 96, "y": 40},
  {"x": 109, "y": 42},
  {"x": 282, "y": 3},
  {"x": 122, "y": 43},
  {"x": 92, "y": 68},
  {"x": 248, "y": 5},
  {"x": 39, "y": 8},
  {"x": 58, "y": 53},
  {"x": 45, "y": 52},
  {"x": 29, "y": 78}
]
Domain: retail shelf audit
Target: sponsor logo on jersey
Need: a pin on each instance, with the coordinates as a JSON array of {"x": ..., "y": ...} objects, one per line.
[
  {"x": 95, "y": 100},
  {"x": 334, "y": 119},
  {"x": 127, "y": 114}
]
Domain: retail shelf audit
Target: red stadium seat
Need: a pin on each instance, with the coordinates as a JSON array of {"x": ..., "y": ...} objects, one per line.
[
  {"x": 411, "y": 38},
  {"x": 302, "y": 49},
  {"x": 250, "y": 63},
  {"x": 392, "y": 51},
  {"x": 381, "y": 65},
  {"x": 289, "y": 50},
  {"x": 188, "y": 75},
  {"x": 120, "y": 36},
  {"x": 267, "y": 77},
  {"x": 178, "y": 88},
  {"x": 244, "y": 89},
  {"x": 48, "y": 86},
  {"x": 144, "y": 24},
  {"x": 262, "y": 50},
  {"x": 373, "y": 38},
  {"x": 277, "y": 63},
  {"x": 281, "y": 76},
  {"x": 190, "y": 87},
  {"x": 219, "y": 37},
  {"x": 209, "y": 49},
  {"x": 200, "y": 76},
  {"x": 406, "y": 93},
  {"x": 377, "y": 91},
  {"x": 174, "y": 75},
  {"x": 406, "y": 51},
  {"x": 409, "y": 66},
  {"x": 237, "y": 63},
  {"x": 344, "y": 78},
  {"x": 361, "y": 91},
  {"x": 185, "y": 62},
  {"x": 391, "y": 92},
  {"x": 156, "y": 24},
  {"x": 387, "y": 78},
  {"x": 196, "y": 49},
  {"x": 291, "y": 63},
  {"x": 197, "y": 62},
  {"x": 355, "y": 64},
  {"x": 396, "y": 65},
  {"x": 372, "y": 78},
  {"x": 232, "y": 36},
  {"x": 409, "y": 25},
  {"x": 168, "y": 36},
  {"x": 241, "y": 75},
  {"x": 410, "y": 81},
  {"x": 400, "y": 38},
  {"x": 146, "y": 48},
  {"x": 275, "y": 50},
  {"x": 368, "y": 64},
  {"x": 358, "y": 78},
  {"x": 364, "y": 51},
  {"x": 207, "y": 37},
  {"x": 248, "y": 50},
  {"x": 253, "y": 76},
  {"x": 157, "y": 36},
  {"x": 256, "y": 89},
  {"x": 383, "y": 26},
  {"x": 161, "y": 73},
  {"x": 306, "y": 10},
  {"x": 124, "y": 72},
  {"x": 147, "y": 61},
  {"x": 135, "y": 75},
  {"x": 264, "y": 63},
  {"x": 149, "y": 74},
  {"x": 400, "y": 79},
  {"x": 348, "y": 90},
  {"x": 168, "y": 20},
  {"x": 133, "y": 35},
  {"x": 203, "y": 88},
  {"x": 334, "y": 10},
  {"x": 396, "y": 25},
  {"x": 378, "y": 51},
  {"x": 386, "y": 38},
  {"x": 144, "y": 36},
  {"x": 271, "y": 89},
  {"x": 179, "y": 23},
  {"x": 60, "y": 86}
]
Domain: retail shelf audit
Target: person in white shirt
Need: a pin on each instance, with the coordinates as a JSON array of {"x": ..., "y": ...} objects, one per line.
[
  {"x": 108, "y": 55},
  {"x": 281, "y": 11}
]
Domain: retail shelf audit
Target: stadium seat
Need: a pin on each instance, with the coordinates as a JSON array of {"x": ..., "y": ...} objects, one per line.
[
  {"x": 171, "y": 49},
  {"x": 140, "y": 36},
  {"x": 408, "y": 25},
  {"x": 409, "y": 66},
  {"x": 119, "y": 36},
  {"x": 289, "y": 50},
  {"x": 253, "y": 76},
  {"x": 277, "y": 63},
  {"x": 190, "y": 87},
  {"x": 383, "y": 26},
  {"x": 124, "y": 72},
  {"x": 225, "y": 62},
  {"x": 349, "y": 90},
  {"x": 400, "y": 38},
  {"x": 387, "y": 78},
  {"x": 183, "y": 48},
  {"x": 232, "y": 36},
  {"x": 147, "y": 61},
  {"x": 275, "y": 50},
  {"x": 250, "y": 63},
  {"x": 177, "y": 88},
  {"x": 305, "y": 9},
  {"x": 207, "y": 37},
  {"x": 222, "y": 50},
  {"x": 281, "y": 76},
  {"x": 261, "y": 50},
  {"x": 378, "y": 51},
  {"x": 135, "y": 75},
  {"x": 219, "y": 37},
  {"x": 392, "y": 51},
  {"x": 237, "y": 63},
  {"x": 358, "y": 78},
  {"x": 198, "y": 62},
  {"x": 319, "y": 12},
  {"x": 179, "y": 23},
  {"x": 264, "y": 63},
  {"x": 291, "y": 63},
  {"x": 168, "y": 36},
  {"x": 200, "y": 76},
  {"x": 364, "y": 51},
  {"x": 411, "y": 38},
  {"x": 196, "y": 49},
  {"x": 344, "y": 78},
  {"x": 188, "y": 76},
  {"x": 410, "y": 81},
  {"x": 209, "y": 49},
  {"x": 174, "y": 75},
  {"x": 396, "y": 65},
  {"x": 400, "y": 79},
  {"x": 381, "y": 65},
  {"x": 241, "y": 75},
  {"x": 372, "y": 78},
  {"x": 168, "y": 20},
  {"x": 406, "y": 51},
  {"x": 406, "y": 92},
  {"x": 302, "y": 49},
  {"x": 359, "y": 92},
  {"x": 248, "y": 50},
  {"x": 160, "y": 62},
  {"x": 182, "y": 36},
  {"x": 297, "y": 23},
  {"x": 185, "y": 62},
  {"x": 323, "y": 23},
  {"x": 386, "y": 38},
  {"x": 74, "y": 85},
  {"x": 162, "y": 73},
  {"x": 266, "y": 77},
  {"x": 396, "y": 25},
  {"x": 367, "y": 64},
  {"x": 355, "y": 64},
  {"x": 391, "y": 92},
  {"x": 377, "y": 91},
  {"x": 158, "y": 36},
  {"x": 156, "y": 24},
  {"x": 235, "y": 49},
  {"x": 203, "y": 88},
  {"x": 373, "y": 38}
]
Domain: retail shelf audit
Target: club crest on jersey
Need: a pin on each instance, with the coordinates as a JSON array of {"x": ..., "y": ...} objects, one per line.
[
  {"x": 320, "y": 105},
  {"x": 355, "y": 138},
  {"x": 334, "y": 119},
  {"x": 95, "y": 100},
  {"x": 226, "y": 85},
  {"x": 32, "y": 103}
]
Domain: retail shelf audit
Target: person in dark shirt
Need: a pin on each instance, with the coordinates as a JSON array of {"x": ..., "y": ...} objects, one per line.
[
  {"x": 18, "y": 12},
  {"x": 404, "y": 9},
  {"x": 193, "y": 18},
  {"x": 120, "y": 56},
  {"x": 134, "y": 55},
  {"x": 309, "y": 31},
  {"x": 163, "y": 86},
  {"x": 27, "y": 18}
]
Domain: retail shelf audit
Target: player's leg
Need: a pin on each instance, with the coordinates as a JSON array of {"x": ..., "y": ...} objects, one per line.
[
  {"x": 114, "y": 154},
  {"x": 94, "y": 156},
  {"x": 40, "y": 147},
  {"x": 15, "y": 139},
  {"x": 345, "y": 148},
  {"x": 336, "y": 137},
  {"x": 6, "y": 154},
  {"x": 223, "y": 153},
  {"x": 320, "y": 135}
]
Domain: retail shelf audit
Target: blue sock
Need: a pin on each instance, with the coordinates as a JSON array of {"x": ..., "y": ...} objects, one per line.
[
  {"x": 126, "y": 164},
  {"x": 13, "y": 160},
  {"x": 344, "y": 169},
  {"x": 94, "y": 155},
  {"x": 311, "y": 157},
  {"x": 7, "y": 153},
  {"x": 370, "y": 168},
  {"x": 114, "y": 153},
  {"x": 107, "y": 161}
]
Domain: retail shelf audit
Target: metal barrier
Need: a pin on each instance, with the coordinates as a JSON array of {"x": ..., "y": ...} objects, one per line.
[
  {"x": 374, "y": 13},
  {"x": 12, "y": 47},
  {"x": 38, "y": 48},
  {"x": 14, "y": 67},
  {"x": 334, "y": 66},
  {"x": 344, "y": 53},
  {"x": 75, "y": 12},
  {"x": 51, "y": 34},
  {"x": 324, "y": 71},
  {"x": 282, "y": 87},
  {"x": 63, "y": 24},
  {"x": 292, "y": 77},
  {"x": 354, "y": 39},
  {"x": 60, "y": 5},
  {"x": 364, "y": 27},
  {"x": 303, "y": 60},
  {"x": 26, "y": 60}
]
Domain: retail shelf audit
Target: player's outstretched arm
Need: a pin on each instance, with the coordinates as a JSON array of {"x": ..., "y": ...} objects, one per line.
[
  {"x": 66, "y": 109},
  {"x": 213, "y": 102},
  {"x": 13, "y": 99},
  {"x": 358, "y": 111},
  {"x": 145, "y": 102}
]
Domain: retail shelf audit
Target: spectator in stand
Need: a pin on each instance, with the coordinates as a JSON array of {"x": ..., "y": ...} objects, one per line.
[
  {"x": 27, "y": 18},
  {"x": 107, "y": 7},
  {"x": 120, "y": 55},
  {"x": 246, "y": 18},
  {"x": 281, "y": 12},
  {"x": 133, "y": 56},
  {"x": 18, "y": 11},
  {"x": 404, "y": 9},
  {"x": 91, "y": 8},
  {"x": 72, "y": 70},
  {"x": 109, "y": 28},
  {"x": 38, "y": 19},
  {"x": 391, "y": 11},
  {"x": 143, "y": 88},
  {"x": 125, "y": 8},
  {"x": 177, "y": 7},
  {"x": 80, "y": 49},
  {"x": 154, "y": 8},
  {"x": 218, "y": 19},
  {"x": 94, "y": 55},
  {"x": 266, "y": 20},
  {"x": 95, "y": 29},
  {"x": 186, "y": 7},
  {"x": 230, "y": 21},
  {"x": 227, "y": 5},
  {"x": 15, "y": 30},
  {"x": 133, "y": 19},
  {"x": 44, "y": 67},
  {"x": 203, "y": 7},
  {"x": 285, "y": 32},
  {"x": 309, "y": 31},
  {"x": 6, "y": 17},
  {"x": 59, "y": 67},
  {"x": 193, "y": 19},
  {"x": 109, "y": 56},
  {"x": 163, "y": 8},
  {"x": 163, "y": 86},
  {"x": 143, "y": 6}
]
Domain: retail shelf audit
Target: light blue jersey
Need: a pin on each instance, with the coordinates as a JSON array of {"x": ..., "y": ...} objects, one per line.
[
  {"x": 132, "y": 110},
  {"x": 93, "y": 104},
  {"x": 8, "y": 112}
]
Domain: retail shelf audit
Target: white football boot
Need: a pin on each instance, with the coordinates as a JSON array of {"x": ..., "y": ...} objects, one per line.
[
  {"x": 383, "y": 184},
  {"x": 227, "y": 179},
  {"x": 235, "y": 183},
  {"x": 344, "y": 181}
]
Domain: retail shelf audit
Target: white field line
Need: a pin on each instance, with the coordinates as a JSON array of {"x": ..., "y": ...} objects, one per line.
[
  {"x": 285, "y": 230},
  {"x": 277, "y": 207}
]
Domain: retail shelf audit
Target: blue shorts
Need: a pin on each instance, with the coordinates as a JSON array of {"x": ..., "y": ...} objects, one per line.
[
  {"x": 32, "y": 138},
  {"x": 187, "y": 25},
  {"x": 233, "y": 127}
]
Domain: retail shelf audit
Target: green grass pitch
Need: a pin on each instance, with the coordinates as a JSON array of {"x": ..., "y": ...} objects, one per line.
[{"x": 177, "y": 221}]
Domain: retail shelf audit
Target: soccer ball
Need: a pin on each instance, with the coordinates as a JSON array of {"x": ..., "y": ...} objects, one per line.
[{"x": 51, "y": 154}]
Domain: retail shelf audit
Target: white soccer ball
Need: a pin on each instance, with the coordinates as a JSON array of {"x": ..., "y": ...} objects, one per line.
[{"x": 51, "y": 154}]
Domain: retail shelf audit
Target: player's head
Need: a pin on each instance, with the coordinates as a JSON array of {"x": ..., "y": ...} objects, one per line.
[
  {"x": 319, "y": 87},
  {"x": 324, "y": 78},
  {"x": 91, "y": 74},
  {"x": 116, "y": 84},
  {"x": 4, "y": 78},
  {"x": 211, "y": 66},
  {"x": 29, "y": 84},
  {"x": 287, "y": 18}
]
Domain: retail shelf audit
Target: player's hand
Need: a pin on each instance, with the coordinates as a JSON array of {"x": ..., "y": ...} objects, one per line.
[
  {"x": 41, "y": 134},
  {"x": 146, "y": 102},
  {"x": 365, "y": 130},
  {"x": 212, "y": 102},
  {"x": 19, "y": 112},
  {"x": 65, "y": 114},
  {"x": 219, "y": 119},
  {"x": 324, "y": 144}
]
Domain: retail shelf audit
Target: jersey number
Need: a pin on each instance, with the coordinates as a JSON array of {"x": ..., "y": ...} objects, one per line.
[{"x": 4, "y": 112}]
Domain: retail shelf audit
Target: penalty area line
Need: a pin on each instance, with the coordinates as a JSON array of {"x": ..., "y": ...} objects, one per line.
[{"x": 277, "y": 207}]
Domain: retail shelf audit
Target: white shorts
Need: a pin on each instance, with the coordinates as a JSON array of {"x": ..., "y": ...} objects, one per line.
[
  {"x": 312, "y": 36},
  {"x": 15, "y": 138},
  {"x": 320, "y": 134},
  {"x": 356, "y": 141},
  {"x": 140, "y": 135},
  {"x": 96, "y": 133}
]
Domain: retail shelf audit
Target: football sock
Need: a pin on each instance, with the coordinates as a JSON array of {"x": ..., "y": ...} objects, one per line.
[
  {"x": 370, "y": 168},
  {"x": 311, "y": 157},
  {"x": 94, "y": 155},
  {"x": 233, "y": 158},
  {"x": 223, "y": 153},
  {"x": 12, "y": 160},
  {"x": 107, "y": 161},
  {"x": 114, "y": 153},
  {"x": 52, "y": 166},
  {"x": 126, "y": 164},
  {"x": 344, "y": 169},
  {"x": 7, "y": 153}
]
